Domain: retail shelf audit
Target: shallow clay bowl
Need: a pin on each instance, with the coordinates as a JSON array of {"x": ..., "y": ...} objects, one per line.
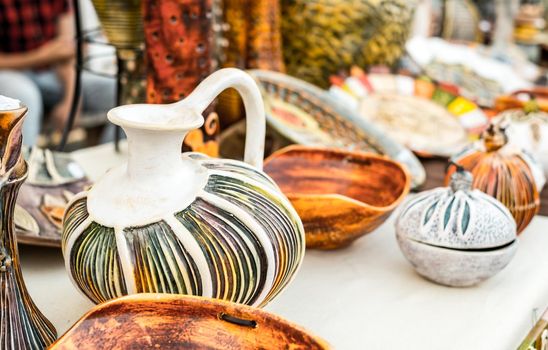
[
  {"x": 339, "y": 195},
  {"x": 168, "y": 321}
]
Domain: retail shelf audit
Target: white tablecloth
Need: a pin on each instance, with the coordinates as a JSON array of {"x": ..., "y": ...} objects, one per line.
[{"x": 363, "y": 297}]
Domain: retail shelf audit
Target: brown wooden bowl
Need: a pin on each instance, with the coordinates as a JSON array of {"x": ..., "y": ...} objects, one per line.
[
  {"x": 169, "y": 321},
  {"x": 339, "y": 195}
]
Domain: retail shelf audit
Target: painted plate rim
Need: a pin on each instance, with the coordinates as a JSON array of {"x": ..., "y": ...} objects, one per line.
[{"x": 383, "y": 142}]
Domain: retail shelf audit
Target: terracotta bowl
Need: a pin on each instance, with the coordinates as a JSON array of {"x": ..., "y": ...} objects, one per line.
[
  {"x": 169, "y": 321},
  {"x": 339, "y": 195}
]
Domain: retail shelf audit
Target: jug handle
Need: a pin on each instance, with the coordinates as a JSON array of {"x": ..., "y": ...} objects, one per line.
[{"x": 235, "y": 78}]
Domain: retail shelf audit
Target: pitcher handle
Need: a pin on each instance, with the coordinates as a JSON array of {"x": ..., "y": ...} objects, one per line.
[{"x": 235, "y": 78}]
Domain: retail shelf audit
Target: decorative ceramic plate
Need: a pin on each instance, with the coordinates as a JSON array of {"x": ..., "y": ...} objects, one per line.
[
  {"x": 308, "y": 115},
  {"x": 52, "y": 180},
  {"x": 480, "y": 77},
  {"x": 169, "y": 321},
  {"x": 430, "y": 119}
]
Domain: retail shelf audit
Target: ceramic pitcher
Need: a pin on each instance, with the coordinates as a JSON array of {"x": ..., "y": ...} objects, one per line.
[{"x": 186, "y": 224}]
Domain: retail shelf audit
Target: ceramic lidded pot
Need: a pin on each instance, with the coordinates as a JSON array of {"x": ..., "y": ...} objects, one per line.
[
  {"x": 184, "y": 224},
  {"x": 455, "y": 235},
  {"x": 504, "y": 171}
]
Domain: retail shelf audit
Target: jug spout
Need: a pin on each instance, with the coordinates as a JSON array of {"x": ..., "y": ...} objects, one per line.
[
  {"x": 172, "y": 117},
  {"x": 155, "y": 133}
]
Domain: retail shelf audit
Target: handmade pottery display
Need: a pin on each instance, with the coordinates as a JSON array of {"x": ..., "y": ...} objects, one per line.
[
  {"x": 184, "y": 224},
  {"x": 22, "y": 325},
  {"x": 528, "y": 130},
  {"x": 504, "y": 171},
  {"x": 321, "y": 37},
  {"x": 455, "y": 235},
  {"x": 480, "y": 77},
  {"x": 339, "y": 195},
  {"x": 54, "y": 178},
  {"x": 174, "y": 321},
  {"x": 308, "y": 115},
  {"x": 429, "y": 118}
]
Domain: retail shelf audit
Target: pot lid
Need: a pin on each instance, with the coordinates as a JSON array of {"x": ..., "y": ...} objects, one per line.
[{"x": 457, "y": 217}]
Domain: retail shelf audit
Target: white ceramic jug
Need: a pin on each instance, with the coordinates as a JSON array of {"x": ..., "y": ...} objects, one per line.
[{"x": 186, "y": 224}]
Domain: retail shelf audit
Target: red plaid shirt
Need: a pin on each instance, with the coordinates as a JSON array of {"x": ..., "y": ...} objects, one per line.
[{"x": 28, "y": 24}]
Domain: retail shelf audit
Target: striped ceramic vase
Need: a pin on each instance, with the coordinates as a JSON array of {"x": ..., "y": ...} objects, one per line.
[
  {"x": 22, "y": 325},
  {"x": 186, "y": 224}
]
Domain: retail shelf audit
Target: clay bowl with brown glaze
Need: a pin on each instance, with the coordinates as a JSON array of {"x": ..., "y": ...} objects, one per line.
[
  {"x": 339, "y": 195},
  {"x": 169, "y": 321}
]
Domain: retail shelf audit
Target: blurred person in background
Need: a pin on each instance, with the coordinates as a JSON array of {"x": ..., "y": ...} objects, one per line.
[{"x": 37, "y": 60}]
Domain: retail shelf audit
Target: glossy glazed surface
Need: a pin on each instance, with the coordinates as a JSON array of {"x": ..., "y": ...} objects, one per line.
[
  {"x": 339, "y": 195},
  {"x": 175, "y": 322}
]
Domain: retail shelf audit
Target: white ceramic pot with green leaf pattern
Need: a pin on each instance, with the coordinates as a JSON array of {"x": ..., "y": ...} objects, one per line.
[
  {"x": 186, "y": 224},
  {"x": 455, "y": 235}
]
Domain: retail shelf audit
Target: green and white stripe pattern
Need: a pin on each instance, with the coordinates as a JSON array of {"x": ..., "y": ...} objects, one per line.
[{"x": 239, "y": 240}]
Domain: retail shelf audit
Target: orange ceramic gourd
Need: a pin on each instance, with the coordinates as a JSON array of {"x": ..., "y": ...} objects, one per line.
[{"x": 505, "y": 172}]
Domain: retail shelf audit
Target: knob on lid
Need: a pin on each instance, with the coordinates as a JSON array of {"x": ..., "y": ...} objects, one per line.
[
  {"x": 494, "y": 137},
  {"x": 461, "y": 180}
]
